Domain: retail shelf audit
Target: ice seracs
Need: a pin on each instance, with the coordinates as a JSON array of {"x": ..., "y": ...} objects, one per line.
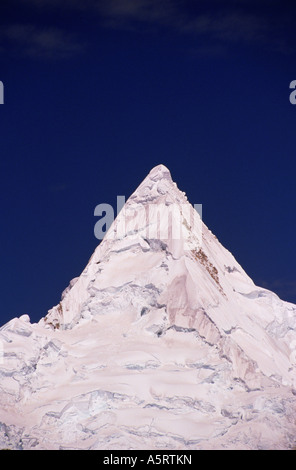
[{"x": 162, "y": 342}]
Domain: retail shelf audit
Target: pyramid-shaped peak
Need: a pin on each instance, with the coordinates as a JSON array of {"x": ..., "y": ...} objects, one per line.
[
  {"x": 159, "y": 172},
  {"x": 158, "y": 188}
]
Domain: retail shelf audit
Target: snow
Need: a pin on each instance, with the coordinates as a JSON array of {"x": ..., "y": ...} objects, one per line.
[{"x": 162, "y": 342}]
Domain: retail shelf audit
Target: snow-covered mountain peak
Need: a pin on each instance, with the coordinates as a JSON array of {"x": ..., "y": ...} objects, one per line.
[
  {"x": 162, "y": 342},
  {"x": 157, "y": 218},
  {"x": 158, "y": 252},
  {"x": 160, "y": 172},
  {"x": 157, "y": 188}
]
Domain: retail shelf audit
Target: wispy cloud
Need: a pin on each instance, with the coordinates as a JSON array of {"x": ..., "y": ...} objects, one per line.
[
  {"x": 40, "y": 42},
  {"x": 212, "y": 22},
  {"x": 228, "y": 22},
  {"x": 141, "y": 10},
  {"x": 60, "y": 3},
  {"x": 230, "y": 27}
]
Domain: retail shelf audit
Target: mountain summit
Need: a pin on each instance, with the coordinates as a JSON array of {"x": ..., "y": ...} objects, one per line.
[{"x": 163, "y": 336}]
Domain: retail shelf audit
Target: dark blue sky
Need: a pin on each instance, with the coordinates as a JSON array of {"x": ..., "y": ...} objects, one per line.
[{"x": 99, "y": 92}]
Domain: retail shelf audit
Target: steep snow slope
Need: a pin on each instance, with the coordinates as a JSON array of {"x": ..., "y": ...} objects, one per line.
[{"x": 163, "y": 336}]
